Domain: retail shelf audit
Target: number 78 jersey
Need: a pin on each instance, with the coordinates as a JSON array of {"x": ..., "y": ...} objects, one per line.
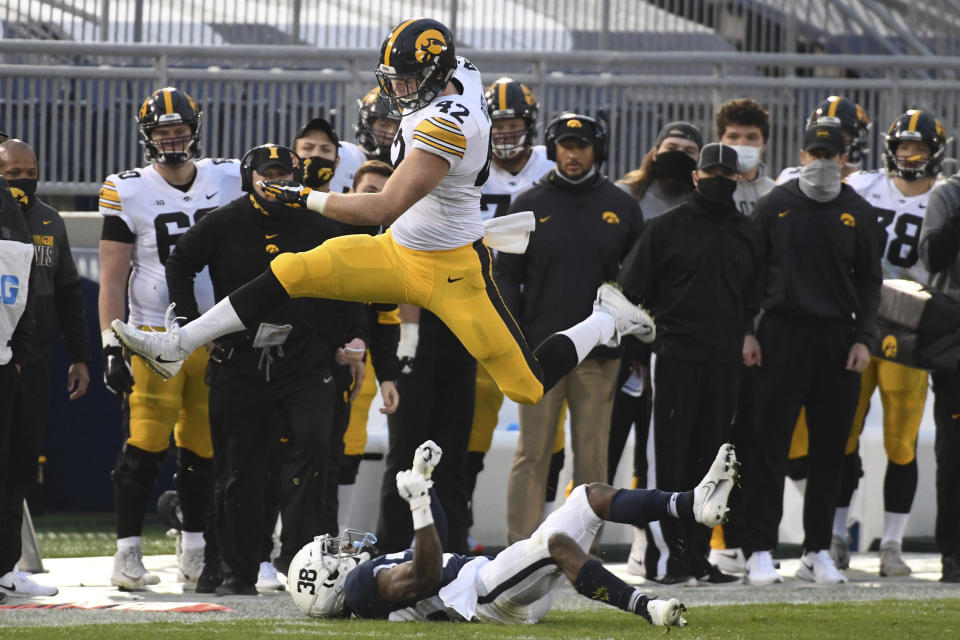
[
  {"x": 901, "y": 218},
  {"x": 158, "y": 214},
  {"x": 457, "y": 128}
]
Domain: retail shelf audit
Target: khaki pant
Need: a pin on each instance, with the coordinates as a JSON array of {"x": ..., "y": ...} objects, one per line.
[{"x": 588, "y": 390}]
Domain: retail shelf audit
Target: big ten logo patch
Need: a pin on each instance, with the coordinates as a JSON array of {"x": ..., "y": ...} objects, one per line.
[{"x": 43, "y": 250}]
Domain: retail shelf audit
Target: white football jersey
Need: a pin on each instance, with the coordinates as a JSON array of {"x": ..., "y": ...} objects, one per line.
[
  {"x": 456, "y": 128},
  {"x": 901, "y": 217},
  {"x": 502, "y": 186},
  {"x": 158, "y": 214},
  {"x": 351, "y": 157}
]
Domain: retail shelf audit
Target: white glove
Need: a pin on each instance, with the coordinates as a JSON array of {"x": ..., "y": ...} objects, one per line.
[
  {"x": 427, "y": 458},
  {"x": 415, "y": 489}
]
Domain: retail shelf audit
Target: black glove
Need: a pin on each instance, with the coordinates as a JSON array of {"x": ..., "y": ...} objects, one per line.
[
  {"x": 117, "y": 375},
  {"x": 292, "y": 194}
]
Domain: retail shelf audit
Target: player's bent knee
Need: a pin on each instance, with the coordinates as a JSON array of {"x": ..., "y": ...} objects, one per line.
[
  {"x": 137, "y": 468},
  {"x": 901, "y": 453},
  {"x": 299, "y": 272},
  {"x": 561, "y": 544}
]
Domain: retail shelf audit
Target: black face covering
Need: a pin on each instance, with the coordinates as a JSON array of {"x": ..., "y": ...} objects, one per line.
[
  {"x": 276, "y": 210},
  {"x": 28, "y": 186},
  {"x": 673, "y": 164},
  {"x": 717, "y": 190},
  {"x": 318, "y": 171}
]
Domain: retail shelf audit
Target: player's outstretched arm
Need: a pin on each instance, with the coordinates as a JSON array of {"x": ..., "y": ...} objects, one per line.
[
  {"x": 421, "y": 577},
  {"x": 415, "y": 177}
]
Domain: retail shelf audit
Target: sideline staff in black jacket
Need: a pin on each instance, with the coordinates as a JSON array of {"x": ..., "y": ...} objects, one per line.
[
  {"x": 697, "y": 269},
  {"x": 277, "y": 374},
  {"x": 821, "y": 298}
]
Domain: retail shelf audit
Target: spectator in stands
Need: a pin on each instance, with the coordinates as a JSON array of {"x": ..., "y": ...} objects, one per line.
[
  {"x": 697, "y": 268},
  {"x": 940, "y": 252},
  {"x": 280, "y": 370},
  {"x": 661, "y": 183},
  {"x": 585, "y": 226},
  {"x": 745, "y": 125},
  {"x": 16, "y": 337},
  {"x": 821, "y": 248},
  {"x": 57, "y": 304}
]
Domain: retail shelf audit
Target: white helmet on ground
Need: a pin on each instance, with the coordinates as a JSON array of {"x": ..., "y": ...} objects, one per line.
[{"x": 318, "y": 571}]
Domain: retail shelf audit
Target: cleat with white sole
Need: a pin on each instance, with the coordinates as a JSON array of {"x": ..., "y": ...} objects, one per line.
[
  {"x": 160, "y": 350},
  {"x": 891, "y": 560},
  {"x": 840, "y": 552},
  {"x": 817, "y": 566},
  {"x": 129, "y": 572},
  {"x": 666, "y": 613},
  {"x": 711, "y": 495},
  {"x": 268, "y": 578},
  {"x": 728, "y": 560},
  {"x": 19, "y": 584},
  {"x": 629, "y": 319},
  {"x": 760, "y": 569}
]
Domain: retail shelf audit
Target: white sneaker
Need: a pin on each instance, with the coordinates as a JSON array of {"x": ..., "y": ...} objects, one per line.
[
  {"x": 666, "y": 613},
  {"x": 629, "y": 319},
  {"x": 840, "y": 552},
  {"x": 891, "y": 560},
  {"x": 760, "y": 570},
  {"x": 638, "y": 550},
  {"x": 267, "y": 578},
  {"x": 728, "y": 560},
  {"x": 19, "y": 584},
  {"x": 160, "y": 350},
  {"x": 191, "y": 564},
  {"x": 129, "y": 572},
  {"x": 710, "y": 496},
  {"x": 817, "y": 566}
]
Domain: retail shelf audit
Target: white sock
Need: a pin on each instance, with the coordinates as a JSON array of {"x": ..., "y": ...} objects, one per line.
[
  {"x": 192, "y": 540},
  {"x": 128, "y": 542},
  {"x": 597, "y": 329},
  {"x": 840, "y": 521},
  {"x": 894, "y": 524},
  {"x": 801, "y": 485},
  {"x": 220, "y": 320}
]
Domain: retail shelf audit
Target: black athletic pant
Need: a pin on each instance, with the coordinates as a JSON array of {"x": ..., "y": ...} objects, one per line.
[
  {"x": 436, "y": 403},
  {"x": 946, "y": 413},
  {"x": 741, "y": 436},
  {"x": 693, "y": 408},
  {"x": 31, "y": 408},
  {"x": 335, "y": 452},
  {"x": 629, "y": 412},
  {"x": 241, "y": 408},
  {"x": 804, "y": 364},
  {"x": 10, "y": 439}
]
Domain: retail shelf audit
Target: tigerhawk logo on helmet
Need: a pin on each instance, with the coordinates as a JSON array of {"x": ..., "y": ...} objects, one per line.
[{"x": 417, "y": 59}]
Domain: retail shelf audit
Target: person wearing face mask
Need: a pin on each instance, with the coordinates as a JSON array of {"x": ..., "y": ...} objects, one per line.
[
  {"x": 745, "y": 125},
  {"x": 698, "y": 267},
  {"x": 57, "y": 303},
  {"x": 663, "y": 179},
  {"x": 837, "y": 111},
  {"x": 281, "y": 368},
  {"x": 821, "y": 246},
  {"x": 661, "y": 183},
  {"x": 584, "y": 227}
]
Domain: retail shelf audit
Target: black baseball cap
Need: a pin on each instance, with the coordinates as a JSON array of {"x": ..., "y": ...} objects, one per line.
[
  {"x": 319, "y": 124},
  {"x": 681, "y": 129},
  {"x": 718, "y": 154},
  {"x": 574, "y": 125},
  {"x": 827, "y": 137},
  {"x": 273, "y": 155}
]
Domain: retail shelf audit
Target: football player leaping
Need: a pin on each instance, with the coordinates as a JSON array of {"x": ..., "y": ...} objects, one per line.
[
  {"x": 330, "y": 579},
  {"x": 433, "y": 255},
  {"x": 145, "y": 210}
]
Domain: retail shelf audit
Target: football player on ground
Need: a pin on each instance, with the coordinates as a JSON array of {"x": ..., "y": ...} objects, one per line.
[
  {"x": 145, "y": 210},
  {"x": 433, "y": 255},
  {"x": 331, "y": 579},
  {"x": 848, "y": 115},
  {"x": 913, "y": 152}
]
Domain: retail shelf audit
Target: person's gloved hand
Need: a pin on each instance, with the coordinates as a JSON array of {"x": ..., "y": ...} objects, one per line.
[{"x": 117, "y": 374}]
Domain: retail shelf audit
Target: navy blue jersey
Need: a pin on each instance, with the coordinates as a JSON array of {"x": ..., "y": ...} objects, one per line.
[{"x": 363, "y": 598}]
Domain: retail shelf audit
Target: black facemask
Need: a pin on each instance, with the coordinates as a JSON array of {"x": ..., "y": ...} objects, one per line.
[
  {"x": 717, "y": 190},
  {"x": 673, "y": 164},
  {"x": 318, "y": 171},
  {"x": 276, "y": 210},
  {"x": 28, "y": 187}
]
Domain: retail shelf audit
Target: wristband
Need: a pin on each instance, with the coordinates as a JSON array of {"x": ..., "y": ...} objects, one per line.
[
  {"x": 109, "y": 339},
  {"x": 317, "y": 200},
  {"x": 420, "y": 510}
]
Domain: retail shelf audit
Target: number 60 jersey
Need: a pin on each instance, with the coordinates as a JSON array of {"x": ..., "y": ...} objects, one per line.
[
  {"x": 900, "y": 217},
  {"x": 158, "y": 213}
]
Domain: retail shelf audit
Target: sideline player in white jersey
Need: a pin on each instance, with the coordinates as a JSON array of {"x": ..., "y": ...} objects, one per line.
[
  {"x": 145, "y": 211},
  {"x": 849, "y": 116},
  {"x": 433, "y": 256},
  {"x": 913, "y": 151},
  {"x": 336, "y": 577},
  {"x": 375, "y": 129}
]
